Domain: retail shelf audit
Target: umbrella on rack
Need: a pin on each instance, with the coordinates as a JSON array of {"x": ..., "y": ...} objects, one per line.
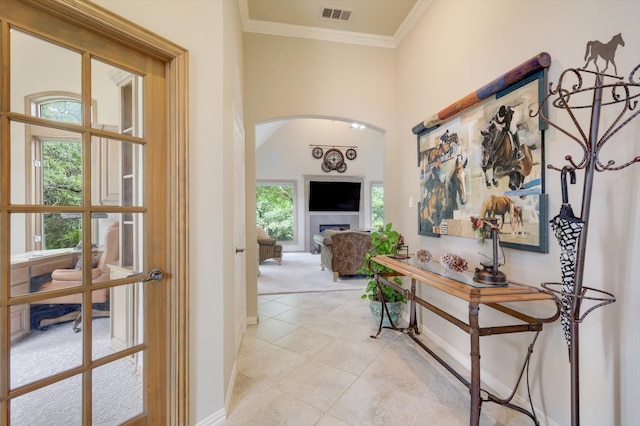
[{"x": 567, "y": 228}]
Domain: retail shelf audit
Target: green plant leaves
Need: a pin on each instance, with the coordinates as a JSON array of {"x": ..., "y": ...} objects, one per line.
[{"x": 382, "y": 242}]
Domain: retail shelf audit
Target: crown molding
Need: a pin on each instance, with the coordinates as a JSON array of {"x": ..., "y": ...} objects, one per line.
[
  {"x": 338, "y": 36},
  {"x": 416, "y": 12}
]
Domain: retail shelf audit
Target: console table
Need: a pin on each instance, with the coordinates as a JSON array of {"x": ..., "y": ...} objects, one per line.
[{"x": 462, "y": 286}]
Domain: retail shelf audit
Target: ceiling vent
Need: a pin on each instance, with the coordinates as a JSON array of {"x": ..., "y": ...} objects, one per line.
[{"x": 336, "y": 14}]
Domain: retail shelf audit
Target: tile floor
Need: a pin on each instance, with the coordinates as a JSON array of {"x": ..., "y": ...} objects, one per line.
[{"x": 310, "y": 361}]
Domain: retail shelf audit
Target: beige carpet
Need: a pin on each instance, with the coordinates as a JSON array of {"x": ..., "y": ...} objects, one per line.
[
  {"x": 300, "y": 272},
  {"x": 118, "y": 388}
]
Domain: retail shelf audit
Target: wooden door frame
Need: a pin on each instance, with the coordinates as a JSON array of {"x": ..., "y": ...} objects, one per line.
[{"x": 112, "y": 27}]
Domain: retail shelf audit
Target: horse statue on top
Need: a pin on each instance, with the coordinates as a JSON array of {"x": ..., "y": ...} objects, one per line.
[{"x": 605, "y": 51}]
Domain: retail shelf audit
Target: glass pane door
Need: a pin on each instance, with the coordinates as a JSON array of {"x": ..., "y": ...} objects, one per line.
[{"x": 75, "y": 227}]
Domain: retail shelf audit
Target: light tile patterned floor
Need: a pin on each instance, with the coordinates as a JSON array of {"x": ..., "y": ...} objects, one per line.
[{"x": 310, "y": 361}]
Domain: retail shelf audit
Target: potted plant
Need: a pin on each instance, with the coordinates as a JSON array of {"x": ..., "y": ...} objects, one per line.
[{"x": 384, "y": 241}]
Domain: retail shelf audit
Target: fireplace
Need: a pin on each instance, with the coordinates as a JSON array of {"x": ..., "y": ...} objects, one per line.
[
  {"x": 317, "y": 221},
  {"x": 334, "y": 226}
]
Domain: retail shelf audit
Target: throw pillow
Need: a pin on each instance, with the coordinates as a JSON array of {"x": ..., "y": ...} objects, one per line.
[{"x": 261, "y": 233}]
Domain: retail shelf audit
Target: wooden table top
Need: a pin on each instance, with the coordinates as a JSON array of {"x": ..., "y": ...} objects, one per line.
[{"x": 461, "y": 284}]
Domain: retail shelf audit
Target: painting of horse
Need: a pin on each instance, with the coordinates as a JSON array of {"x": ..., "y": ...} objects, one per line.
[
  {"x": 499, "y": 205},
  {"x": 517, "y": 219},
  {"x": 456, "y": 187},
  {"x": 440, "y": 197},
  {"x": 432, "y": 208},
  {"x": 502, "y": 153},
  {"x": 490, "y": 158},
  {"x": 606, "y": 51}
]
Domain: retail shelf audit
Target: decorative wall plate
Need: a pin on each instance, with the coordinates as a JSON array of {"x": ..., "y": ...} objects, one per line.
[
  {"x": 351, "y": 154},
  {"x": 342, "y": 167},
  {"x": 317, "y": 152},
  {"x": 333, "y": 157}
]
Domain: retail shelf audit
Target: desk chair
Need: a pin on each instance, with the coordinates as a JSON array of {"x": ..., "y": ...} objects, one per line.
[{"x": 65, "y": 278}]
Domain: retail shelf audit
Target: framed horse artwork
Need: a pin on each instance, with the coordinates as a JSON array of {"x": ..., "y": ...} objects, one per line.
[{"x": 483, "y": 156}]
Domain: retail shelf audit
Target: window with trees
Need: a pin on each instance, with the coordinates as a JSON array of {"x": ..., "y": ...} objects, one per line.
[
  {"x": 275, "y": 209},
  {"x": 56, "y": 172},
  {"x": 377, "y": 205}
]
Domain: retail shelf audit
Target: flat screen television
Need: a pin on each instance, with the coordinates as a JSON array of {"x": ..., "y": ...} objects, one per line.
[{"x": 331, "y": 196}]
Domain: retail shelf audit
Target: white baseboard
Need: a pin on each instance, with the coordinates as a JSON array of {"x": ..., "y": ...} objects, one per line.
[
  {"x": 220, "y": 416},
  {"x": 491, "y": 381},
  {"x": 232, "y": 384},
  {"x": 215, "y": 419}
]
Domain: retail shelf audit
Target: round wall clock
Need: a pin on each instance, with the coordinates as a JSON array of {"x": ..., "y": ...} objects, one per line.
[
  {"x": 351, "y": 154},
  {"x": 317, "y": 152}
]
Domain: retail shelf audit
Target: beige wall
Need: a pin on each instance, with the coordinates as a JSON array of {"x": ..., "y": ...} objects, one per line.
[
  {"x": 290, "y": 77},
  {"x": 456, "y": 48},
  {"x": 286, "y": 155},
  {"x": 210, "y": 31}
]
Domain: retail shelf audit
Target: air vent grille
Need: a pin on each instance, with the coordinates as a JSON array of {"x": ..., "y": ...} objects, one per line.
[{"x": 336, "y": 14}]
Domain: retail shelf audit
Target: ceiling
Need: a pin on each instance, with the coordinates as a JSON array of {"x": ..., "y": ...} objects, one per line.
[{"x": 382, "y": 23}]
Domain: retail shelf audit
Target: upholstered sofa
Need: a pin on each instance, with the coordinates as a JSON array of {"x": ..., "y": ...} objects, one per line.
[
  {"x": 267, "y": 247},
  {"x": 342, "y": 252}
]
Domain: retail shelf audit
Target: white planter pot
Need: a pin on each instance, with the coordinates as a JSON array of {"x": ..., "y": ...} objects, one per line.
[{"x": 395, "y": 309}]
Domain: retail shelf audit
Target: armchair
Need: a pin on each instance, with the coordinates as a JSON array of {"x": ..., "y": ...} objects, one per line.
[
  {"x": 267, "y": 247},
  {"x": 343, "y": 252},
  {"x": 65, "y": 278}
]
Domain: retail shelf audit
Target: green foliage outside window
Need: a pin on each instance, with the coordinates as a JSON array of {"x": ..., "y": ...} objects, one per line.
[
  {"x": 62, "y": 179},
  {"x": 274, "y": 210},
  {"x": 62, "y": 176},
  {"x": 65, "y": 111},
  {"x": 377, "y": 207}
]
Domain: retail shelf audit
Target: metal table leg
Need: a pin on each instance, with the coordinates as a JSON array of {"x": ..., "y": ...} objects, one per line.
[{"x": 474, "y": 334}]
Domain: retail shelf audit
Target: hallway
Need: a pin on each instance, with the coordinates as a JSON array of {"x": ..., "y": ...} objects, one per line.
[{"x": 310, "y": 361}]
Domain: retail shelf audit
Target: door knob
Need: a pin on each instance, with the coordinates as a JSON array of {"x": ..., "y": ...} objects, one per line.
[{"x": 155, "y": 275}]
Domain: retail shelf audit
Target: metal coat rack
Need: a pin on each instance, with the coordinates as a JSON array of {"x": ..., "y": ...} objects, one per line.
[{"x": 571, "y": 95}]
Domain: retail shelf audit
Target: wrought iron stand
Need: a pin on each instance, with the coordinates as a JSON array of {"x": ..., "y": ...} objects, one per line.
[{"x": 608, "y": 90}]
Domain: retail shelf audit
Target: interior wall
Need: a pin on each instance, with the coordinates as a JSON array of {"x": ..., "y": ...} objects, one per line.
[
  {"x": 458, "y": 47},
  {"x": 294, "y": 77},
  {"x": 286, "y": 155}
]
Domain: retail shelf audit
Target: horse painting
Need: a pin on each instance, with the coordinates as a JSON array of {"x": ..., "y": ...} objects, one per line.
[
  {"x": 503, "y": 154},
  {"x": 456, "y": 187},
  {"x": 433, "y": 207},
  {"x": 517, "y": 219},
  {"x": 441, "y": 197},
  {"x": 499, "y": 205},
  {"x": 605, "y": 51}
]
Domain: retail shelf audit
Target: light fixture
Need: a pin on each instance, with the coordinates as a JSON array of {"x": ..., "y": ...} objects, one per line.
[{"x": 358, "y": 126}]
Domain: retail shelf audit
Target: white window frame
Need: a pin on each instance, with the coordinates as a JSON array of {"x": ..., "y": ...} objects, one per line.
[{"x": 35, "y": 135}]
